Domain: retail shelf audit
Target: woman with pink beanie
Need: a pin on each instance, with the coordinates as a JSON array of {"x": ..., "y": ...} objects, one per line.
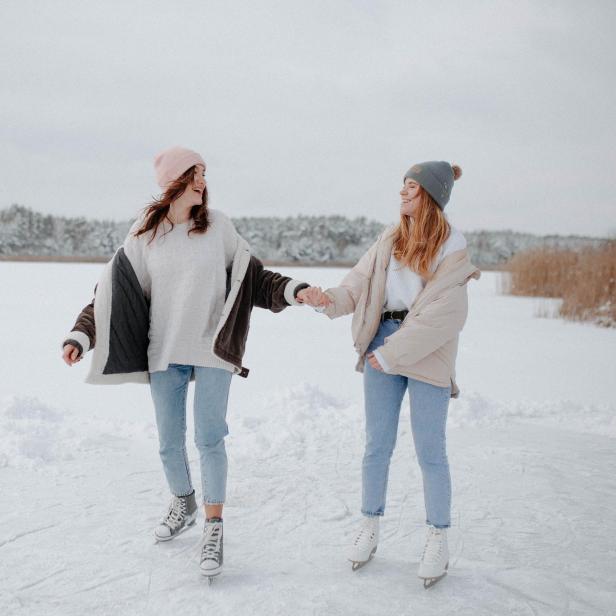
[{"x": 173, "y": 305}]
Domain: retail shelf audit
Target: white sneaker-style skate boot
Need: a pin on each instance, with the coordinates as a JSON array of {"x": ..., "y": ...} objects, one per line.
[
  {"x": 435, "y": 557},
  {"x": 211, "y": 560},
  {"x": 365, "y": 542},
  {"x": 181, "y": 514}
]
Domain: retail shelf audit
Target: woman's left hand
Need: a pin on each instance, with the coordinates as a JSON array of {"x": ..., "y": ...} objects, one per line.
[
  {"x": 313, "y": 296},
  {"x": 374, "y": 362}
]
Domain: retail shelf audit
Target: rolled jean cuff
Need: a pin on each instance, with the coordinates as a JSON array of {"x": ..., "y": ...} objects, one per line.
[
  {"x": 369, "y": 514},
  {"x": 184, "y": 494},
  {"x": 210, "y": 502},
  {"x": 438, "y": 525}
]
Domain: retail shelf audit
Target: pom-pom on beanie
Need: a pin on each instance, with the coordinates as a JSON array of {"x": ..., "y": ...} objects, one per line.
[{"x": 437, "y": 178}]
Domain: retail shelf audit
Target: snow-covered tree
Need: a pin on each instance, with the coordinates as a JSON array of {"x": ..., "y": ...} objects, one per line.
[{"x": 317, "y": 240}]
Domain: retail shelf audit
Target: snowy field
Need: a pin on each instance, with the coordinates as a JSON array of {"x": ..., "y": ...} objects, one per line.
[{"x": 531, "y": 445}]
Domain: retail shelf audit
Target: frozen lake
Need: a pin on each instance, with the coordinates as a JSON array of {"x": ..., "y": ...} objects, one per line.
[{"x": 531, "y": 446}]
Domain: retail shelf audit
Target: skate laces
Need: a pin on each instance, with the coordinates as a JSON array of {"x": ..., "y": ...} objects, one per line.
[
  {"x": 208, "y": 546},
  {"x": 210, "y": 542},
  {"x": 365, "y": 534},
  {"x": 176, "y": 514},
  {"x": 434, "y": 546}
]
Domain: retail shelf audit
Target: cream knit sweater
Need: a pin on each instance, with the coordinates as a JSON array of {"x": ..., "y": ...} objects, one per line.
[{"x": 185, "y": 278}]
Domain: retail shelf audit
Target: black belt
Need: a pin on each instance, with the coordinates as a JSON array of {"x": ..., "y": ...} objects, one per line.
[{"x": 398, "y": 315}]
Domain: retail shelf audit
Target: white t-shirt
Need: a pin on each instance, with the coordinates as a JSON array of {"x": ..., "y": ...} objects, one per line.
[{"x": 404, "y": 285}]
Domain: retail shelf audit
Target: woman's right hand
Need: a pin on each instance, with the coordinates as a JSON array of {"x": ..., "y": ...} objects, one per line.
[{"x": 71, "y": 354}]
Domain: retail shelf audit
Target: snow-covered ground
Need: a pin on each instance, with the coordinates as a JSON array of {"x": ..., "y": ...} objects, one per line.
[{"x": 531, "y": 444}]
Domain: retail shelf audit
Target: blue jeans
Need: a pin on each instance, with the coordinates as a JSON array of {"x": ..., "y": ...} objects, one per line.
[
  {"x": 168, "y": 388},
  {"x": 383, "y": 394}
]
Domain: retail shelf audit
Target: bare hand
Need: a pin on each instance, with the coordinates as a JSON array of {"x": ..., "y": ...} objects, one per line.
[
  {"x": 71, "y": 354},
  {"x": 313, "y": 296},
  {"x": 374, "y": 362}
]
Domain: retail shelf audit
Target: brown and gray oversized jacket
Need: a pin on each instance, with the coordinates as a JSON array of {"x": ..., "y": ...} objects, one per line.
[{"x": 116, "y": 325}]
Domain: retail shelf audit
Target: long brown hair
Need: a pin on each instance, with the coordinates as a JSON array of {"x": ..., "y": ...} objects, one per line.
[
  {"x": 418, "y": 241},
  {"x": 156, "y": 211}
]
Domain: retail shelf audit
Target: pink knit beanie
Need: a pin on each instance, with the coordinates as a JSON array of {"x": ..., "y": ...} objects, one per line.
[{"x": 171, "y": 163}]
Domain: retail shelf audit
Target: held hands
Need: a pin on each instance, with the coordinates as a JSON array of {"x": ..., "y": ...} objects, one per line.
[
  {"x": 313, "y": 296},
  {"x": 70, "y": 354}
]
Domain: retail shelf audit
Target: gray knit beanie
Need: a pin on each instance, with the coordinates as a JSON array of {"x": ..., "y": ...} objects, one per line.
[{"x": 437, "y": 178}]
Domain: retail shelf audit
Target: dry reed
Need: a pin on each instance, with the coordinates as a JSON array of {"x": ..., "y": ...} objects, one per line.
[{"x": 585, "y": 280}]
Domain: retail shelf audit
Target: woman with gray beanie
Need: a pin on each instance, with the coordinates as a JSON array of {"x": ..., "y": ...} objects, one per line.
[
  {"x": 172, "y": 306},
  {"x": 409, "y": 302}
]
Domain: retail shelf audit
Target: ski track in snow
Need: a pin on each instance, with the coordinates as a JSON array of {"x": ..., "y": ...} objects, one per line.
[{"x": 534, "y": 488}]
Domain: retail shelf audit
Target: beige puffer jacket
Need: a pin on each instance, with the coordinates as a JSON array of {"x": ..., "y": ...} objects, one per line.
[{"x": 426, "y": 345}]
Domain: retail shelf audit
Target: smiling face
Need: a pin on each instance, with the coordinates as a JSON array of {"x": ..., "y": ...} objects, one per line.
[
  {"x": 197, "y": 186},
  {"x": 410, "y": 194}
]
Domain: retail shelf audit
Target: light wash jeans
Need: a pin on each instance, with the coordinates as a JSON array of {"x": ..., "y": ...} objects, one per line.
[
  {"x": 383, "y": 394},
  {"x": 168, "y": 388}
]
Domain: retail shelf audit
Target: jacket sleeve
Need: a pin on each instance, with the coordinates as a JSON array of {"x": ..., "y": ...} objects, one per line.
[
  {"x": 425, "y": 331},
  {"x": 83, "y": 333},
  {"x": 344, "y": 297},
  {"x": 272, "y": 290}
]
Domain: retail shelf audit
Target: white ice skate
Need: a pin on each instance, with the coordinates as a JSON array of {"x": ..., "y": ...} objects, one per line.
[
  {"x": 365, "y": 542},
  {"x": 435, "y": 557}
]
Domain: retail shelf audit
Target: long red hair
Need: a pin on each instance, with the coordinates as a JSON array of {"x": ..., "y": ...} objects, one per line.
[
  {"x": 156, "y": 211},
  {"x": 417, "y": 241}
]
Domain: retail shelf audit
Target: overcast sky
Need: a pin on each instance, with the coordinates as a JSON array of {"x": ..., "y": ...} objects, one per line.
[{"x": 314, "y": 107}]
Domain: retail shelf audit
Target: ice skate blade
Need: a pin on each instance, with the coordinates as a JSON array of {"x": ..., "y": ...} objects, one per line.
[
  {"x": 358, "y": 564},
  {"x": 210, "y": 577},
  {"x": 429, "y": 582}
]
